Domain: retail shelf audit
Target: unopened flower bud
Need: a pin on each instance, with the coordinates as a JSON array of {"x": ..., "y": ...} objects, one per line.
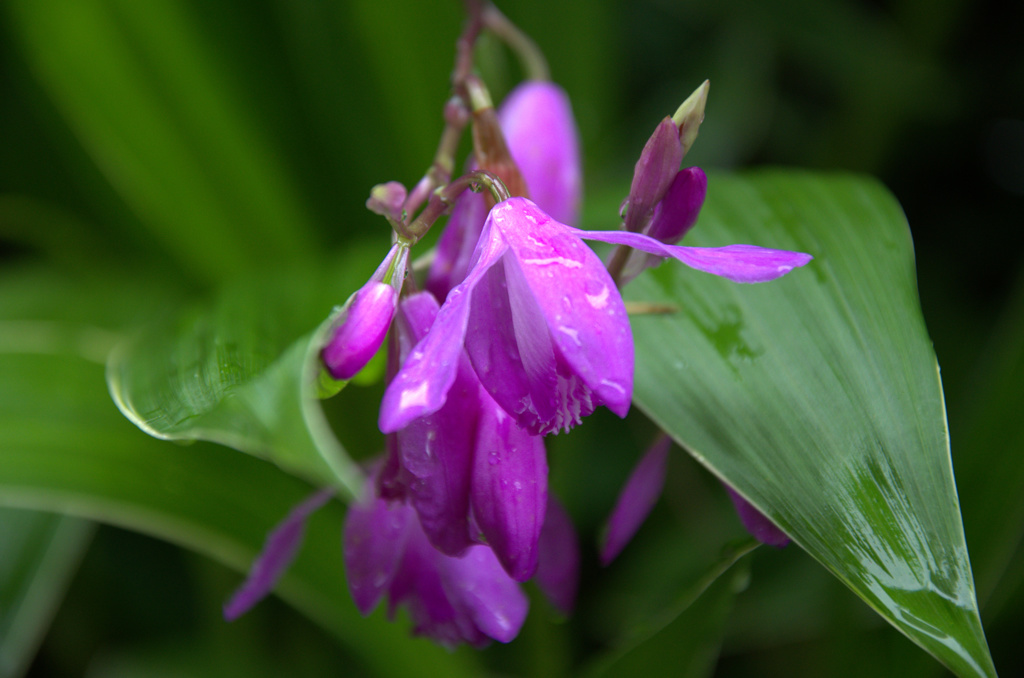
[
  {"x": 541, "y": 133},
  {"x": 690, "y": 115},
  {"x": 678, "y": 210},
  {"x": 387, "y": 200},
  {"x": 363, "y": 322},
  {"x": 657, "y": 166}
]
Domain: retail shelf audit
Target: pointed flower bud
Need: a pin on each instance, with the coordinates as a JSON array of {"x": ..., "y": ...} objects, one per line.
[
  {"x": 653, "y": 174},
  {"x": 690, "y": 115},
  {"x": 363, "y": 322}
]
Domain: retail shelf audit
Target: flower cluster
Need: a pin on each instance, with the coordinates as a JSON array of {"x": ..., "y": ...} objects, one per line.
[{"x": 517, "y": 331}]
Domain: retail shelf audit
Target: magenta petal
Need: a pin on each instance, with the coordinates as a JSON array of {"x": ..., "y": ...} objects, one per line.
[
  {"x": 654, "y": 172},
  {"x": 509, "y": 489},
  {"x": 374, "y": 539},
  {"x": 420, "y": 585},
  {"x": 549, "y": 335},
  {"x": 739, "y": 263},
  {"x": 479, "y": 588},
  {"x": 558, "y": 568},
  {"x": 539, "y": 128},
  {"x": 278, "y": 552},
  {"x": 678, "y": 210},
  {"x": 436, "y": 451},
  {"x": 421, "y": 385},
  {"x": 757, "y": 524},
  {"x": 361, "y": 333},
  {"x": 636, "y": 500},
  {"x": 456, "y": 245}
]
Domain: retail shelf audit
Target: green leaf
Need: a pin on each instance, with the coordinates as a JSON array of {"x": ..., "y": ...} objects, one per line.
[
  {"x": 204, "y": 497},
  {"x": 817, "y": 396},
  {"x": 41, "y": 553},
  {"x": 169, "y": 127},
  {"x": 230, "y": 373}
]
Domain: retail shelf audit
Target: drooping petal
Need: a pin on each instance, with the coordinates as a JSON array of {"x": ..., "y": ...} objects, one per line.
[
  {"x": 436, "y": 451},
  {"x": 420, "y": 585},
  {"x": 757, "y": 524},
  {"x": 374, "y": 538},
  {"x": 279, "y": 551},
  {"x": 509, "y": 489},
  {"x": 569, "y": 324},
  {"x": 540, "y": 130},
  {"x": 421, "y": 385},
  {"x": 637, "y": 499},
  {"x": 558, "y": 567},
  {"x": 654, "y": 172},
  {"x": 479, "y": 588},
  {"x": 739, "y": 263}
]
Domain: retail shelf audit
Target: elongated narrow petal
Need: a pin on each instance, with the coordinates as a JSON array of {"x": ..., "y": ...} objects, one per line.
[
  {"x": 757, "y": 524},
  {"x": 374, "y": 537},
  {"x": 637, "y": 499},
  {"x": 739, "y": 263},
  {"x": 279, "y": 551},
  {"x": 421, "y": 385},
  {"x": 436, "y": 451},
  {"x": 558, "y": 569},
  {"x": 540, "y": 130},
  {"x": 564, "y": 345},
  {"x": 509, "y": 489}
]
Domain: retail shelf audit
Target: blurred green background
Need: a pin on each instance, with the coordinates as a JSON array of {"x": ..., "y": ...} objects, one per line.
[{"x": 150, "y": 151}]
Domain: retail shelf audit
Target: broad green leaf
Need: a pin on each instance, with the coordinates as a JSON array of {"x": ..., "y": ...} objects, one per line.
[
  {"x": 204, "y": 497},
  {"x": 169, "y": 128},
  {"x": 233, "y": 373},
  {"x": 817, "y": 396},
  {"x": 41, "y": 552}
]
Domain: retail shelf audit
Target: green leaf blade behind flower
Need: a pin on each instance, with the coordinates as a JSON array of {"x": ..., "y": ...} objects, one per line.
[
  {"x": 233, "y": 372},
  {"x": 817, "y": 396}
]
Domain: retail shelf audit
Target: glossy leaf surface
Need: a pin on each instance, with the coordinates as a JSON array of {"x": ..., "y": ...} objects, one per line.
[{"x": 818, "y": 398}]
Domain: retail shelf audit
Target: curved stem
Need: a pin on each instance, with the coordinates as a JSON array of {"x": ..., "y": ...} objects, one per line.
[
  {"x": 532, "y": 59},
  {"x": 443, "y": 198}
]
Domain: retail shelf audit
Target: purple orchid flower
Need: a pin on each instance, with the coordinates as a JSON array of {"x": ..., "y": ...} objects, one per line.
[
  {"x": 362, "y": 323},
  {"x": 469, "y": 471},
  {"x": 469, "y": 599},
  {"x": 544, "y": 324}
]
